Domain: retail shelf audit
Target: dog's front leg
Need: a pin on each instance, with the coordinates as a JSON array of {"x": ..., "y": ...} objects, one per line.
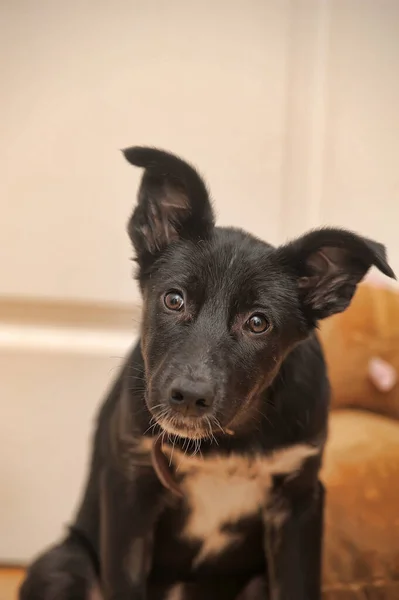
[
  {"x": 294, "y": 547},
  {"x": 129, "y": 508}
]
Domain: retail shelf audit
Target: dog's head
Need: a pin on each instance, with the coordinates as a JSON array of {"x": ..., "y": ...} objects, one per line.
[{"x": 221, "y": 308}]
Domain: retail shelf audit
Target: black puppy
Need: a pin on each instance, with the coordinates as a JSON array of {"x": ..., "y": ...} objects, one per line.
[{"x": 204, "y": 476}]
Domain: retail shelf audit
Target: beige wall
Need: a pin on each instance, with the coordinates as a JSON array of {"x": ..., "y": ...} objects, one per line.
[
  {"x": 361, "y": 151},
  {"x": 81, "y": 80},
  {"x": 288, "y": 108}
]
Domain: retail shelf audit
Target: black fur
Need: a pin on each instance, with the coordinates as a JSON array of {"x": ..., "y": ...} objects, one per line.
[{"x": 259, "y": 392}]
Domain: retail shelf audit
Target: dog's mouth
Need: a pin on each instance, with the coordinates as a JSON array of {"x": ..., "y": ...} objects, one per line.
[{"x": 194, "y": 428}]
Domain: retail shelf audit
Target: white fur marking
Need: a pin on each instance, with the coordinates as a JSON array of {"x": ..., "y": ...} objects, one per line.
[{"x": 221, "y": 490}]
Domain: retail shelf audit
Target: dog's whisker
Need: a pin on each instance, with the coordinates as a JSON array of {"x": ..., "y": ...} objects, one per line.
[
  {"x": 163, "y": 437},
  {"x": 151, "y": 427},
  {"x": 174, "y": 439},
  {"x": 158, "y": 406},
  {"x": 211, "y": 435},
  {"x": 264, "y": 416},
  {"x": 198, "y": 446},
  {"x": 218, "y": 424},
  {"x": 154, "y": 421}
]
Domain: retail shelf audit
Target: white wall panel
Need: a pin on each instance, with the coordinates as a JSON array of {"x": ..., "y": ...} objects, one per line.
[{"x": 50, "y": 393}]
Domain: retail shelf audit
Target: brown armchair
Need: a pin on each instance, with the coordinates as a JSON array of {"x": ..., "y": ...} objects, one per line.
[{"x": 361, "y": 467}]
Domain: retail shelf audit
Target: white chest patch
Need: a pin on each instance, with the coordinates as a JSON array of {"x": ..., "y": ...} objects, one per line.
[{"x": 221, "y": 490}]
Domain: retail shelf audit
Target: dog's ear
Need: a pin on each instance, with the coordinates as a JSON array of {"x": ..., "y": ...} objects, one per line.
[
  {"x": 328, "y": 264},
  {"x": 173, "y": 203}
]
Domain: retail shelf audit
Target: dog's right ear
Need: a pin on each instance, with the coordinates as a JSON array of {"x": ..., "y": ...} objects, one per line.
[
  {"x": 173, "y": 204},
  {"x": 328, "y": 264}
]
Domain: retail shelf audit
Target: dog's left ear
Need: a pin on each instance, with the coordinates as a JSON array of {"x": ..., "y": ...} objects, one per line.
[
  {"x": 328, "y": 265},
  {"x": 173, "y": 204}
]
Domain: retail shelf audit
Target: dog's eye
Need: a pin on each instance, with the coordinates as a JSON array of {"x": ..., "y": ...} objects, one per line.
[
  {"x": 258, "y": 324},
  {"x": 173, "y": 301}
]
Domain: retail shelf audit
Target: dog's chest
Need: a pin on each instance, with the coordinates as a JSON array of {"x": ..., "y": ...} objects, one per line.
[{"x": 219, "y": 492}]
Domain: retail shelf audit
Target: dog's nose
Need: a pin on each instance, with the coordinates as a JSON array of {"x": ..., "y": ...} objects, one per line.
[{"x": 191, "y": 398}]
